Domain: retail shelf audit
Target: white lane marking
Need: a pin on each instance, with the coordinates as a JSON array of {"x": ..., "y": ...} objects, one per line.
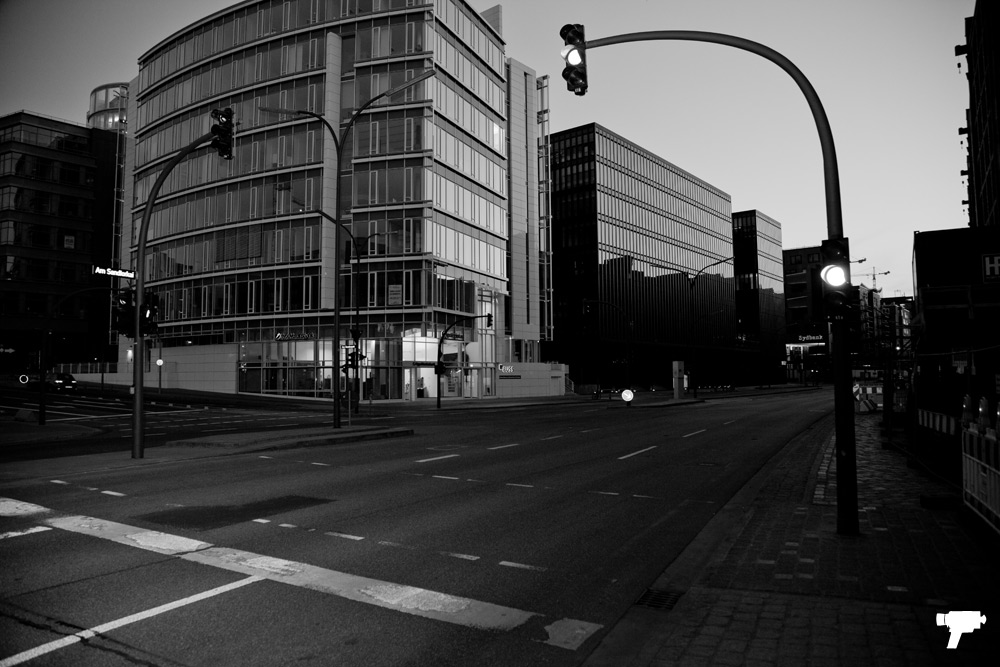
[
  {"x": 443, "y": 477},
  {"x": 606, "y": 493},
  {"x": 104, "y": 628},
  {"x": 58, "y": 481},
  {"x": 215, "y": 430},
  {"x": 438, "y": 458},
  {"x": 638, "y": 452},
  {"x": 516, "y": 444},
  {"x": 522, "y": 566},
  {"x": 320, "y": 464},
  {"x": 262, "y": 521},
  {"x": 287, "y": 525},
  {"x": 398, "y": 597},
  {"x": 11, "y": 507},
  {"x": 113, "y": 493},
  {"x": 728, "y": 422},
  {"x": 406, "y": 599},
  {"x": 149, "y": 540},
  {"x": 695, "y": 433},
  {"x": 569, "y": 633},
  {"x": 553, "y": 437},
  {"x": 26, "y": 531},
  {"x": 265, "y": 457},
  {"x": 462, "y": 556},
  {"x": 523, "y": 486},
  {"x": 345, "y": 536}
]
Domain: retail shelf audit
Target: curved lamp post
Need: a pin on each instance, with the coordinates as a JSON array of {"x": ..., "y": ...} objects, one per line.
[
  {"x": 339, "y": 140},
  {"x": 847, "y": 471}
]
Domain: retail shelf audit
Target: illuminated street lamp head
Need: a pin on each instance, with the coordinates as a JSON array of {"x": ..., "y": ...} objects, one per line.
[{"x": 575, "y": 55}]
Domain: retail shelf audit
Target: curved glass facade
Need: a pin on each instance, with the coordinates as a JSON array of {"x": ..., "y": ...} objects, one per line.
[
  {"x": 238, "y": 251},
  {"x": 107, "y": 107},
  {"x": 643, "y": 268}
]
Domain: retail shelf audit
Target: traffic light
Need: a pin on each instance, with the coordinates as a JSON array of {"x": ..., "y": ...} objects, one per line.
[
  {"x": 439, "y": 368},
  {"x": 575, "y": 55},
  {"x": 150, "y": 310},
  {"x": 489, "y": 320},
  {"x": 124, "y": 312},
  {"x": 223, "y": 131},
  {"x": 836, "y": 275}
]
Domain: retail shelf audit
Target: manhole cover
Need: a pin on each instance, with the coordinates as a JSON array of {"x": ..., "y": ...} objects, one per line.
[
  {"x": 656, "y": 598},
  {"x": 208, "y": 517}
]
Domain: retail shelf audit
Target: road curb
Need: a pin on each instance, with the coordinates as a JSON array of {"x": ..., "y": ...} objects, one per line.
[{"x": 292, "y": 441}]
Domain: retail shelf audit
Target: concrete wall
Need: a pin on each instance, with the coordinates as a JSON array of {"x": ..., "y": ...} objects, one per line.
[
  {"x": 200, "y": 368},
  {"x": 521, "y": 380}
]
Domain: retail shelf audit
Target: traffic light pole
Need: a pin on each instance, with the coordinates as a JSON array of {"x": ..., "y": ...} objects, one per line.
[
  {"x": 847, "y": 474},
  {"x": 138, "y": 355}
]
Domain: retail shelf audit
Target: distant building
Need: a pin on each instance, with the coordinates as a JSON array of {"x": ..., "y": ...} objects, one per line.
[
  {"x": 982, "y": 51},
  {"x": 807, "y": 330},
  {"x": 760, "y": 290},
  {"x": 642, "y": 266},
  {"x": 56, "y": 198},
  {"x": 438, "y": 196},
  {"x": 108, "y": 107}
]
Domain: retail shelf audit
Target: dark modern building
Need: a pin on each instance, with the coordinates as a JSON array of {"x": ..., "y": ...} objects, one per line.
[
  {"x": 56, "y": 196},
  {"x": 982, "y": 52},
  {"x": 956, "y": 281},
  {"x": 437, "y": 232},
  {"x": 760, "y": 291},
  {"x": 643, "y": 272},
  {"x": 807, "y": 331}
]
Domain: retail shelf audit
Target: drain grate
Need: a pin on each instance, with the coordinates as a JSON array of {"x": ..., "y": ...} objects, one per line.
[{"x": 658, "y": 598}]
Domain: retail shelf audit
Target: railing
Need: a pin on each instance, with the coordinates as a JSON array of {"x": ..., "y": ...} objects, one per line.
[{"x": 90, "y": 368}]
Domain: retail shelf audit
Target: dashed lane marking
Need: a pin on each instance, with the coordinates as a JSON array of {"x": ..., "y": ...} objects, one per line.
[
  {"x": 522, "y": 566},
  {"x": 356, "y": 538},
  {"x": 635, "y": 453},
  {"x": 553, "y": 437},
  {"x": 516, "y": 444},
  {"x": 694, "y": 433},
  {"x": 438, "y": 458}
]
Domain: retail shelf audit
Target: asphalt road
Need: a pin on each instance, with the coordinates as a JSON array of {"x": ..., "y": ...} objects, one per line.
[{"x": 513, "y": 536}]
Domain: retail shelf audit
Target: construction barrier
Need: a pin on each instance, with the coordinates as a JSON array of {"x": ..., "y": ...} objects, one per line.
[{"x": 981, "y": 461}]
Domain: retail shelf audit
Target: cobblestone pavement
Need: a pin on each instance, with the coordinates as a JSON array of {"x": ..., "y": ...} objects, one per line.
[{"x": 790, "y": 591}]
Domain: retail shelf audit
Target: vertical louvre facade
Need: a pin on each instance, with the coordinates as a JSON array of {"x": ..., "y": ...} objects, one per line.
[
  {"x": 238, "y": 250},
  {"x": 642, "y": 264},
  {"x": 760, "y": 291}
]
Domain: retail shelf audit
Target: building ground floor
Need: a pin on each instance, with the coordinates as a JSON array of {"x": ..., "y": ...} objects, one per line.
[{"x": 401, "y": 369}]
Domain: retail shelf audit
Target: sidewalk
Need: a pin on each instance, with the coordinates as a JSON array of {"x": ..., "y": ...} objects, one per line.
[{"x": 781, "y": 587}]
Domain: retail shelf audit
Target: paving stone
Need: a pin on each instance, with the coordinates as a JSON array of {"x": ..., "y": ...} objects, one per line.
[{"x": 833, "y": 599}]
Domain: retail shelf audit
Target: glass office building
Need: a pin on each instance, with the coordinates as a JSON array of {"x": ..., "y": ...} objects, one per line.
[
  {"x": 760, "y": 294},
  {"x": 243, "y": 262},
  {"x": 643, "y": 273}
]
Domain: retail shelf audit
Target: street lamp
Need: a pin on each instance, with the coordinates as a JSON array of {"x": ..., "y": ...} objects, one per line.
[
  {"x": 847, "y": 482},
  {"x": 691, "y": 282},
  {"x": 339, "y": 140}
]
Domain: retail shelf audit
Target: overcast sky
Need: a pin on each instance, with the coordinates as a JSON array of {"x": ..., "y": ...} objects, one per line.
[{"x": 885, "y": 71}]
